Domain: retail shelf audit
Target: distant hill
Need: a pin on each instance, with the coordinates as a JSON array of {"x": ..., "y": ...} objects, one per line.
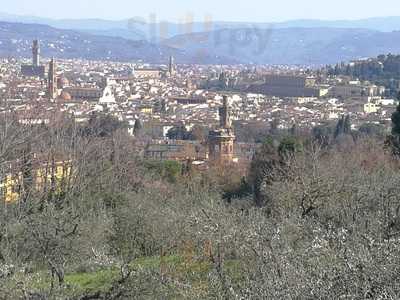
[
  {"x": 382, "y": 70},
  {"x": 290, "y": 45},
  {"x": 137, "y": 29},
  {"x": 16, "y": 40},
  {"x": 384, "y": 24},
  {"x": 301, "y": 42},
  {"x": 142, "y": 28},
  {"x": 304, "y": 46}
]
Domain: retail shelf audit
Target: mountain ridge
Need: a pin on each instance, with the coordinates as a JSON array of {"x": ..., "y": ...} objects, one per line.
[
  {"x": 139, "y": 28},
  {"x": 289, "y": 46},
  {"x": 301, "y": 46},
  {"x": 16, "y": 40}
]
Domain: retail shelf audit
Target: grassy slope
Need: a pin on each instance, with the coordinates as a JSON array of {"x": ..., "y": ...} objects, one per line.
[{"x": 194, "y": 273}]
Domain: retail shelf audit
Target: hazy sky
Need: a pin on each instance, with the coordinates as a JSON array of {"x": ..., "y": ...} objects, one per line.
[{"x": 229, "y": 10}]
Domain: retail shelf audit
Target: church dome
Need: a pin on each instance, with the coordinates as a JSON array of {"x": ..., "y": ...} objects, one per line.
[
  {"x": 62, "y": 82},
  {"x": 66, "y": 96}
]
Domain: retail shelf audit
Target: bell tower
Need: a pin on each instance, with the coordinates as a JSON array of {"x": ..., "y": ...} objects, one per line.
[
  {"x": 221, "y": 140},
  {"x": 35, "y": 53},
  {"x": 51, "y": 80},
  {"x": 171, "y": 66}
]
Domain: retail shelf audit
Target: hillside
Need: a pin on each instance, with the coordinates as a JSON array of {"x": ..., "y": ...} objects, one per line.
[
  {"x": 290, "y": 45},
  {"x": 304, "y": 46},
  {"x": 383, "y": 70},
  {"x": 139, "y": 28},
  {"x": 16, "y": 39}
]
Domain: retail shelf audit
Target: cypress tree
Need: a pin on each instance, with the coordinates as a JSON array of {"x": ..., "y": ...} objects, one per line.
[
  {"x": 347, "y": 125},
  {"x": 393, "y": 140},
  {"x": 137, "y": 127},
  {"x": 340, "y": 127},
  {"x": 396, "y": 119},
  {"x": 343, "y": 126}
]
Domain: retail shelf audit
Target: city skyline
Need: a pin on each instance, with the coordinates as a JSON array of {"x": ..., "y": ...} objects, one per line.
[{"x": 181, "y": 11}]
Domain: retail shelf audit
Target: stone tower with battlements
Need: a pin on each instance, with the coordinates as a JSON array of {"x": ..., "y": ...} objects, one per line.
[
  {"x": 35, "y": 53},
  {"x": 51, "y": 80},
  {"x": 221, "y": 140}
]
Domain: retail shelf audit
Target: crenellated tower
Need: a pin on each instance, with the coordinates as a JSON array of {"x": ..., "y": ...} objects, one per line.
[
  {"x": 221, "y": 140},
  {"x": 35, "y": 53},
  {"x": 51, "y": 80}
]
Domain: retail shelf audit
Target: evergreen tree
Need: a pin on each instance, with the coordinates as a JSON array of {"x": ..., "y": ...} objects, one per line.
[
  {"x": 137, "y": 127},
  {"x": 323, "y": 134},
  {"x": 343, "y": 126},
  {"x": 393, "y": 141},
  {"x": 339, "y": 127},
  {"x": 347, "y": 125},
  {"x": 179, "y": 133},
  {"x": 288, "y": 147},
  {"x": 396, "y": 119},
  {"x": 262, "y": 172},
  {"x": 27, "y": 171}
]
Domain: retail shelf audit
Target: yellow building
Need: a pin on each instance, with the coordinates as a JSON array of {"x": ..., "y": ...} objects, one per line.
[
  {"x": 10, "y": 188},
  {"x": 371, "y": 108},
  {"x": 45, "y": 177},
  {"x": 146, "y": 109}
]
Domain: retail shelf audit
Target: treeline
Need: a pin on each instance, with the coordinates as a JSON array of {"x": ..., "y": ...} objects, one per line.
[{"x": 383, "y": 70}]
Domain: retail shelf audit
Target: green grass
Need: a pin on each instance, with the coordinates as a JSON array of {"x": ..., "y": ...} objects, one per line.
[
  {"x": 91, "y": 282},
  {"x": 177, "y": 267}
]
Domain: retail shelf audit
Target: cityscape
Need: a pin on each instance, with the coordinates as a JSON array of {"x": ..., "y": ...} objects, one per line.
[{"x": 161, "y": 98}]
